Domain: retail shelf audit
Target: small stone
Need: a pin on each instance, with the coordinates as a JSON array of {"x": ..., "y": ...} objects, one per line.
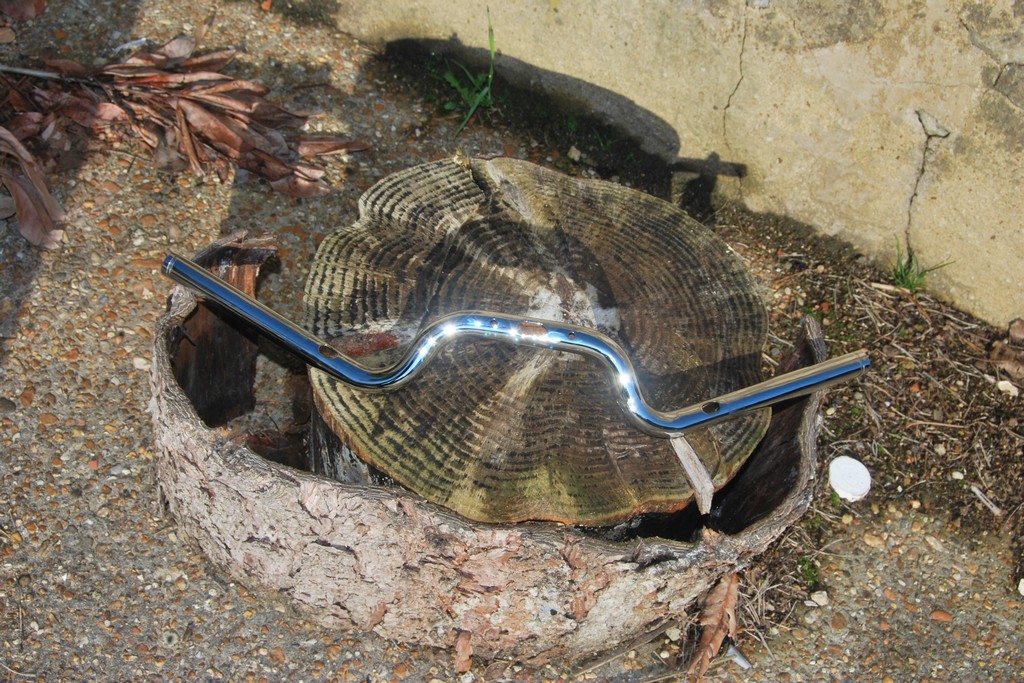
[
  {"x": 47, "y": 419},
  {"x": 1008, "y": 388},
  {"x": 940, "y": 450},
  {"x": 1020, "y": 586},
  {"x": 7, "y": 405},
  {"x": 673, "y": 634},
  {"x": 935, "y": 543},
  {"x": 942, "y": 615},
  {"x": 140, "y": 363},
  {"x": 574, "y": 153},
  {"x": 839, "y": 621},
  {"x": 820, "y": 598},
  {"x": 873, "y": 540},
  {"x": 957, "y": 475}
]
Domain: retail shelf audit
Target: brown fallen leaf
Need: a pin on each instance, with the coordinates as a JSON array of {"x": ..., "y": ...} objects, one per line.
[
  {"x": 1008, "y": 354},
  {"x": 37, "y": 211},
  {"x": 718, "y": 617},
  {"x": 22, "y": 9},
  {"x": 178, "y": 104},
  {"x": 463, "y": 652}
]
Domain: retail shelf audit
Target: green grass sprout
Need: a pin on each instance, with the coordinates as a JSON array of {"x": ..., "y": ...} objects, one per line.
[
  {"x": 908, "y": 272},
  {"x": 477, "y": 92}
]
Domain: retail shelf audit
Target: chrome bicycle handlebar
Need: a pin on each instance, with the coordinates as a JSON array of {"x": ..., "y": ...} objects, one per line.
[{"x": 520, "y": 331}]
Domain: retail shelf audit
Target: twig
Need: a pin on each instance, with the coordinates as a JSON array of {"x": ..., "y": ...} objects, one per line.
[
  {"x": 34, "y": 73},
  {"x": 995, "y": 509},
  {"x": 696, "y": 473},
  {"x": 13, "y": 672},
  {"x": 926, "y": 423},
  {"x": 883, "y": 287}
]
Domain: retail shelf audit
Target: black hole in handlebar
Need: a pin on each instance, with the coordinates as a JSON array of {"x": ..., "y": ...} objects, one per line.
[
  {"x": 328, "y": 351},
  {"x": 711, "y": 407}
]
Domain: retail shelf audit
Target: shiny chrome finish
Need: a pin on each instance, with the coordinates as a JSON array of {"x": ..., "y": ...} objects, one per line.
[{"x": 520, "y": 331}]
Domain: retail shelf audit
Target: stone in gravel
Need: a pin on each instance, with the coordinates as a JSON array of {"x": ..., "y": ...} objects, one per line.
[
  {"x": 820, "y": 598},
  {"x": 942, "y": 615},
  {"x": 873, "y": 540},
  {"x": 7, "y": 405}
]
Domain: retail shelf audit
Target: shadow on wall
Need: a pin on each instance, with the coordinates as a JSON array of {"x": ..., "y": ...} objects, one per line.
[{"x": 619, "y": 137}]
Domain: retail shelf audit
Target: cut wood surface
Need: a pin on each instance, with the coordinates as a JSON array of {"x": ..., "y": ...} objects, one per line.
[
  {"x": 384, "y": 559},
  {"x": 505, "y": 434}
]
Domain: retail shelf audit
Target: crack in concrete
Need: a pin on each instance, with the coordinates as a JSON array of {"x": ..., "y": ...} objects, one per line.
[
  {"x": 1003, "y": 64},
  {"x": 995, "y": 85},
  {"x": 932, "y": 130},
  {"x": 735, "y": 89}
]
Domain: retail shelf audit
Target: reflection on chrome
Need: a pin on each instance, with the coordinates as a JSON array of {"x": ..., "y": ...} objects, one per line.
[{"x": 523, "y": 332}]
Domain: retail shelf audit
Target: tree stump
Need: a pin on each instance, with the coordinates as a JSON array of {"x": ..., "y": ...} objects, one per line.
[
  {"x": 507, "y": 434},
  {"x": 380, "y": 558}
]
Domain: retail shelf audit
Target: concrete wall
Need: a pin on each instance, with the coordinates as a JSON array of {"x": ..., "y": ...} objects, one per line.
[{"x": 873, "y": 120}]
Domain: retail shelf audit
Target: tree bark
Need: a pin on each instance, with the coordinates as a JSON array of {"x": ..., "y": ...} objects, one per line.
[{"x": 359, "y": 556}]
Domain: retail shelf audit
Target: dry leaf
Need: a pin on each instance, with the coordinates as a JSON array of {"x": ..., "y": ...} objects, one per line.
[
  {"x": 22, "y": 9},
  {"x": 320, "y": 146},
  {"x": 34, "y": 222},
  {"x": 718, "y": 617},
  {"x": 37, "y": 211},
  {"x": 7, "y": 207},
  {"x": 178, "y": 104},
  {"x": 26, "y": 125},
  {"x": 463, "y": 652},
  {"x": 1008, "y": 354}
]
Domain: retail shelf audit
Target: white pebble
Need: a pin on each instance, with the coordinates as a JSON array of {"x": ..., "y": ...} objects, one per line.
[
  {"x": 1008, "y": 388},
  {"x": 849, "y": 478}
]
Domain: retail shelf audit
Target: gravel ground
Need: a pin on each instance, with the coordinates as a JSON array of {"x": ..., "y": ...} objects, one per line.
[{"x": 94, "y": 584}]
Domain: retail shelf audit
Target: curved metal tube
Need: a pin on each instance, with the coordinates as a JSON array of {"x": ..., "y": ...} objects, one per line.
[{"x": 521, "y": 331}]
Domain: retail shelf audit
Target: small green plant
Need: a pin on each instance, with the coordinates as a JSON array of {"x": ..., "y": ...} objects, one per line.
[
  {"x": 837, "y": 502},
  {"x": 478, "y": 92},
  {"x": 605, "y": 142},
  {"x": 808, "y": 572},
  {"x": 908, "y": 272},
  {"x": 572, "y": 124}
]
